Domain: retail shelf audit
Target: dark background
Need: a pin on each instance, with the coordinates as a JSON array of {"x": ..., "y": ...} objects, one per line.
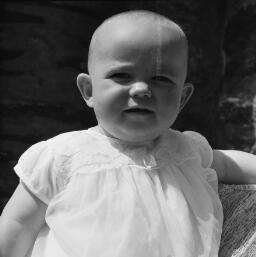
[{"x": 43, "y": 48}]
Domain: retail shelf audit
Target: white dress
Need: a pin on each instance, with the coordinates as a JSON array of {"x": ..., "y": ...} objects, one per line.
[{"x": 109, "y": 199}]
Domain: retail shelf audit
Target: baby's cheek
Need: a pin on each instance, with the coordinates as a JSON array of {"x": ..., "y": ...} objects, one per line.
[{"x": 170, "y": 105}]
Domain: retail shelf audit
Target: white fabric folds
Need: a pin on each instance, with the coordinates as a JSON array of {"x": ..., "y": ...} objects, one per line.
[{"x": 107, "y": 198}]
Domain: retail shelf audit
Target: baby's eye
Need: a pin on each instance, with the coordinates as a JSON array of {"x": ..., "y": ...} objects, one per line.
[
  {"x": 161, "y": 79},
  {"x": 121, "y": 77}
]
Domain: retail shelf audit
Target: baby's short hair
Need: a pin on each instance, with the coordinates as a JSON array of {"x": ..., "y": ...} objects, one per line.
[{"x": 135, "y": 15}]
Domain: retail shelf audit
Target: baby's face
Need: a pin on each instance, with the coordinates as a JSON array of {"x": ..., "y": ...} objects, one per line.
[{"x": 137, "y": 73}]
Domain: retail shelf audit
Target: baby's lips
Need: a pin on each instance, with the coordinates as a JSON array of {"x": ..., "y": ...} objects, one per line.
[{"x": 139, "y": 110}]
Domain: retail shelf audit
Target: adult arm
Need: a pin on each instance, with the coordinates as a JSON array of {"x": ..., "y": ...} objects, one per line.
[{"x": 20, "y": 222}]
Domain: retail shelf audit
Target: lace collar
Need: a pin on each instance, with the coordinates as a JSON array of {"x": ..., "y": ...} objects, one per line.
[{"x": 172, "y": 145}]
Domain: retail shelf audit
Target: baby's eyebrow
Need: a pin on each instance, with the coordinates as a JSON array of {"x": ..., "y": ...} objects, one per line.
[{"x": 120, "y": 66}]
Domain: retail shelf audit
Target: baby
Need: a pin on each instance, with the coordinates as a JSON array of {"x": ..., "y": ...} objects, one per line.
[{"x": 129, "y": 187}]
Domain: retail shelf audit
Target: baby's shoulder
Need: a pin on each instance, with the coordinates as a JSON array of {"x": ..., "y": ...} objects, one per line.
[
  {"x": 186, "y": 137},
  {"x": 189, "y": 143},
  {"x": 63, "y": 137},
  {"x": 68, "y": 142}
]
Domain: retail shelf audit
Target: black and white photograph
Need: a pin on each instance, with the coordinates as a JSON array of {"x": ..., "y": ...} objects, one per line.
[{"x": 128, "y": 128}]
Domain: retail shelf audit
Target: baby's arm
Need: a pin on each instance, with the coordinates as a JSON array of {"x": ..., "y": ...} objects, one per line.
[
  {"x": 234, "y": 167},
  {"x": 20, "y": 222}
]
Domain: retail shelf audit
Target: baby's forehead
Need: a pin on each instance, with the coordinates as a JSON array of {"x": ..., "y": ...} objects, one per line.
[{"x": 135, "y": 27}]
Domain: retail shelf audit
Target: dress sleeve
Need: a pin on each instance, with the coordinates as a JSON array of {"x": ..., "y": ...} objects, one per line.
[
  {"x": 203, "y": 148},
  {"x": 36, "y": 169}
]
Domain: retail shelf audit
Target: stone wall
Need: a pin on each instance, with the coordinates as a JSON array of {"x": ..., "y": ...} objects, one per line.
[{"x": 44, "y": 46}]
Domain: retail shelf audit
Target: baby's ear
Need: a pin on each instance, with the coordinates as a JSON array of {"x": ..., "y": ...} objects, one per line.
[
  {"x": 187, "y": 92},
  {"x": 84, "y": 84}
]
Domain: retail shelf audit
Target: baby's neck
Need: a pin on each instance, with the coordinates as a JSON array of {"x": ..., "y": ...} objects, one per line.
[{"x": 98, "y": 129}]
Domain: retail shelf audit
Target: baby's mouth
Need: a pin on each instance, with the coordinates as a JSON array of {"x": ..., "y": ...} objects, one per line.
[{"x": 138, "y": 111}]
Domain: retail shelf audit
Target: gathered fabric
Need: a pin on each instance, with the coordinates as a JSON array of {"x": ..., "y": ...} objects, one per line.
[{"x": 113, "y": 199}]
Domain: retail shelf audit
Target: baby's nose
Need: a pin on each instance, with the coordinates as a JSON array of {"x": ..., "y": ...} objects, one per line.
[{"x": 140, "y": 89}]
